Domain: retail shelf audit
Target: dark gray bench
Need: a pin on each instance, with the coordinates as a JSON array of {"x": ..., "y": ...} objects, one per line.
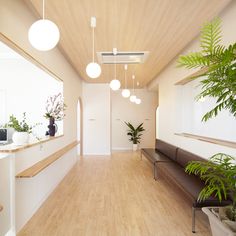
[{"x": 170, "y": 161}]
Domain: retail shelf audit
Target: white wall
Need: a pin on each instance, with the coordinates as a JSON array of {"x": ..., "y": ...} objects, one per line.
[
  {"x": 96, "y": 119},
  {"x": 5, "y": 190},
  {"x": 125, "y": 111},
  {"x": 169, "y": 95}
]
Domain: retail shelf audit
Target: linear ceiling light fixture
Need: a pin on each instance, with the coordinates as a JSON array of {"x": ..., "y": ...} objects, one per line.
[
  {"x": 125, "y": 91},
  {"x": 43, "y": 34},
  {"x": 93, "y": 69},
  {"x": 115, "y": 83},
  {"x": 132, "y": 98}
]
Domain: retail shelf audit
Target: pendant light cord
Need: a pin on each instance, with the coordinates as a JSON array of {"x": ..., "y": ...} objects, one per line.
[
  {"x": 93, "y": 44},
  {"x": 133, "y": 85},
  {"x": 115, "y": 66},
  {"x": 43, "y": 9},
  {"x": 125, "y": 80}
]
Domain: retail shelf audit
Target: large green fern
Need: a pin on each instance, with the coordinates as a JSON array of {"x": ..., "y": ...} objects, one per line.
[
  {"x": 219, "y": 175},
  {"x": 220, "y": 79}
]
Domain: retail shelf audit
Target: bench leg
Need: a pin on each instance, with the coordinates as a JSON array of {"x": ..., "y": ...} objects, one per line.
[
  {"x": 193, "y": 219},
  {"x": 154, "y": 170}
]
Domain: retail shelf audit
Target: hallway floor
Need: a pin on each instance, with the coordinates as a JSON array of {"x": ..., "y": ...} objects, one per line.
[{"x": 114, "y": 196}]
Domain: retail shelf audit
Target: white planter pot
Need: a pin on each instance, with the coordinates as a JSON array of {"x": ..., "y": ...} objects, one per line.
[
  {"x": 218, "y": 228},
  {"x": 135, "y": 147},
  {"x": 20, "y": 138}
]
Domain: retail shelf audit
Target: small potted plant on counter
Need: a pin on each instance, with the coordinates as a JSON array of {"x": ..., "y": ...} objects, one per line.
[
  {"x": 21, "y": 130},
  {"x": 55, "y": 108},
  {"x": 135, "y": 134},
  {"x": 219, "y": 175}
]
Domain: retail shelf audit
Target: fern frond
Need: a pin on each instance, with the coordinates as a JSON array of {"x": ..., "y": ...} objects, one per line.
[
  {"x": 193, "y": 60},
  {"x": 211, "y": 36}
]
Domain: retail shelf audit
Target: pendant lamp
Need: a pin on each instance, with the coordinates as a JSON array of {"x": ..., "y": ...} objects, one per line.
[
  {"x": 43, "y": 34},
  {"x": 115, "y": 83},
  {"x": 93, "y": 69},
  {"x": 132, "y": 98},
  {"x": 138, "y": 100},
  {"x": 125, "y": 91}
]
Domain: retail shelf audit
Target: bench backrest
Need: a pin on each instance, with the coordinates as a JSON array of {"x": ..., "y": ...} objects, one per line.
[
  {"x": 184, "y": 157},
  {"x": 167, "y": 149}
]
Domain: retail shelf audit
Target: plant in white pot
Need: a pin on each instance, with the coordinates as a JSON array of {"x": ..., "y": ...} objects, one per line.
[
  {"x": 219, "y": 175},
  {"x": 22, "y": 130},
  {"x": 135, "y": 134}
]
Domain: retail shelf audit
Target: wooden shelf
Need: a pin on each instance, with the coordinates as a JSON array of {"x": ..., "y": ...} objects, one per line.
[
  {"x": 10, "y": 148},
  {"x": 192, "y": 76},
  {"x": 209, "y": 140},
  {"x": 41, "y": 165}
]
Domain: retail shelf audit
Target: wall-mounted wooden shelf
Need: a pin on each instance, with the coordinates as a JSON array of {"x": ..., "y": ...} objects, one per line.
[
  {"x": 41, "y": 165},
  {"x": 209, "y": 140},
  {"x": 10, "y": 148},
  {"x": 192, "y": 76}
]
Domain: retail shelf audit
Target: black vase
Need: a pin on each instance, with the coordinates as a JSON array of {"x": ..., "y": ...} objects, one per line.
[{"x": 52, "y": 127}]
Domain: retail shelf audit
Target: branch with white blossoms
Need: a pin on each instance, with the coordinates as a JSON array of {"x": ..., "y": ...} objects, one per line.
[{"x": 55, "y": 107}]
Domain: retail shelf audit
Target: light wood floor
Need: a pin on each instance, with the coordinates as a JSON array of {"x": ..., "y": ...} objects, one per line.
[{"x": 114, "y": 196}]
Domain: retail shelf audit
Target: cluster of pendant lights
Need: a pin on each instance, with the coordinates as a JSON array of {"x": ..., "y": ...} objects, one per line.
[
  {"x": 44, "y": 35},
  {"x": 93, "y": 70},
  {"x": 126, "y": 92}
]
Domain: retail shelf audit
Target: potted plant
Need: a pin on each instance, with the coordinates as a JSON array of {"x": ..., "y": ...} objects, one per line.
[
  {"x": 219, "y": 175},
  {"x": 21, "y": 130},
  {"x": 135, "y": 134},
  {"x": 218, "y": 64},
  {"x": 55, "y": 108}
]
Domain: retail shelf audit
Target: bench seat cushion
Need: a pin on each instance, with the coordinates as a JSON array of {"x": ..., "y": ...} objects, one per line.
[
  {"x": 191, "y": 185},
  {"x": 154, "y": 156}
]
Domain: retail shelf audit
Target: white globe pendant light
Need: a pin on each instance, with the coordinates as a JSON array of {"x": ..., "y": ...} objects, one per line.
[
  {"x": 138, "y": 101},
  {"x": 115, "y": 83},
  {"x": 125, "y": 92},
  {"x": 43, "y": 34},
  {"x": 132, "y": 98},
  {"x": 93, "y": 69}
]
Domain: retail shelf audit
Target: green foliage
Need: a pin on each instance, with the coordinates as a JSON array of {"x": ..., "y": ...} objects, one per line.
[
  {"x": 220, "y": 79},
  {"x": 19, "y": 126},
  {"x": 135, "y": 133},
  {"x": 219, "y": 175}
]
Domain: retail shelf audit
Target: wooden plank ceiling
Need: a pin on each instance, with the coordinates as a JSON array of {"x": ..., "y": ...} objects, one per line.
[{"x": 162, "y": 27}]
